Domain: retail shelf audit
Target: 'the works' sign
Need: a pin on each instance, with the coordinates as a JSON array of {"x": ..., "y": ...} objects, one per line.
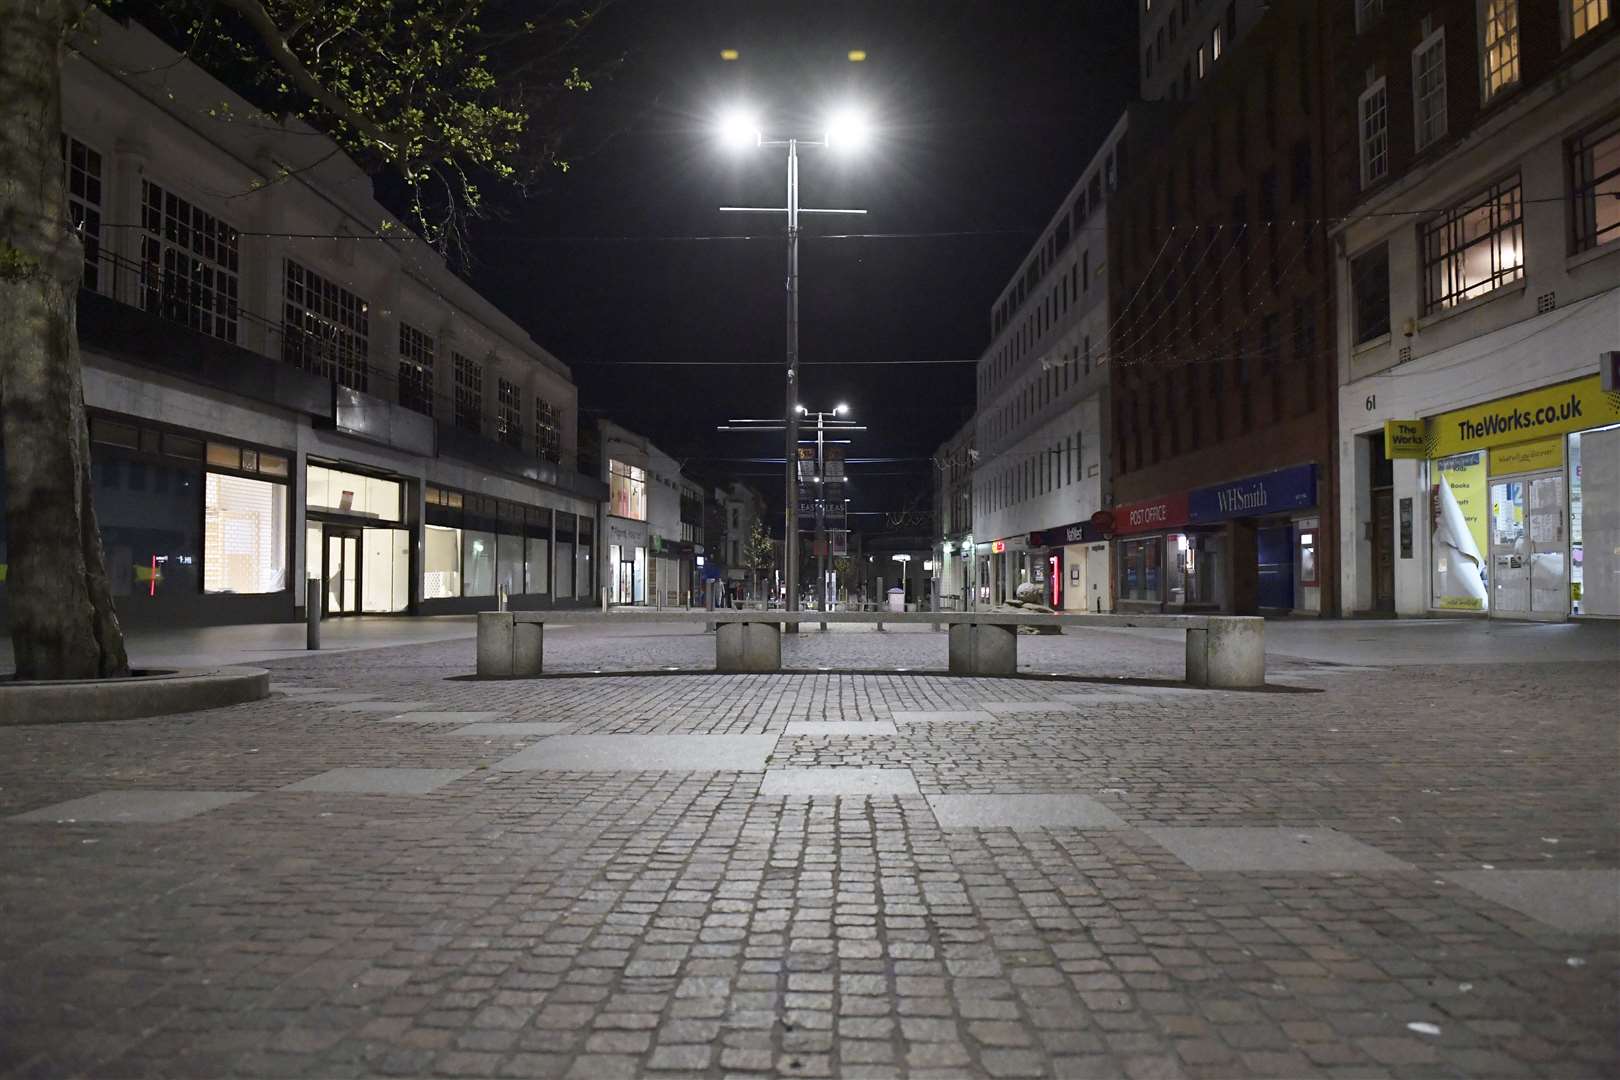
[{"x": 1551, "y": 410}]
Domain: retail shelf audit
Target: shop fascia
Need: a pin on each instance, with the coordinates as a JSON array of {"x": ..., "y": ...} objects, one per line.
[{"x": 1277, "y": 492}]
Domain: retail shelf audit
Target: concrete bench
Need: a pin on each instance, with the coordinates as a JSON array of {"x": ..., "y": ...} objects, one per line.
[{"x": 1224, "y": 651}]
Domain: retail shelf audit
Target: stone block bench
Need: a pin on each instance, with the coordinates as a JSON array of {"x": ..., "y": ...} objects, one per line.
[{"x": 1225, "y": 651}]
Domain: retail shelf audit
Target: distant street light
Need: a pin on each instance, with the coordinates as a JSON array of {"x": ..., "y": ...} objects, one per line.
[{"x": 847, "y": 129}]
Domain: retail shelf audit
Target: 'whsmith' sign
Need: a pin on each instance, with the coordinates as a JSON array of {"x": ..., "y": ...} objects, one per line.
[{"x": 1255, "y": 496}]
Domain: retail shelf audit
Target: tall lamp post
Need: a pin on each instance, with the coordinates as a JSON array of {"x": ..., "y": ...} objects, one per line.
[{"x": 740, "y": 128}]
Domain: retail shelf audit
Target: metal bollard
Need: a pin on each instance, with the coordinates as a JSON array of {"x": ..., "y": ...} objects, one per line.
[{"x": 312, "y": 613}]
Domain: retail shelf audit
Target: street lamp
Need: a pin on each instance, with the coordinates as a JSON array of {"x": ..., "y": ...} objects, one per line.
[{"x": 845, "y": 129}]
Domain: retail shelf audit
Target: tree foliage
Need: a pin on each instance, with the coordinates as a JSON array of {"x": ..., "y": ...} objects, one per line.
[{"x": 759, "y": 554}]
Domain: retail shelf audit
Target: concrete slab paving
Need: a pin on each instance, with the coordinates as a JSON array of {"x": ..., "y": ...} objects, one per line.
[
  {"x": 1028, "y": 811},
  {"x": 789, "y": 783},
  {"x": 1273, "y": 849},
  {"x": 1576, "y": 901},
  {"x": 440, "y": 716},
  {"x": 378, "y": 781},
  {"x": 645, "y": 753},
  {"x": 941, "y": 716},
  {"x": 819, "y": 728},
  {"x": 358, "y": 706},
  {"x": 327, "y": 697},
  {"x": 1022, "y": 708},
  {"x": 135, "y": 807},
  {"x": 528, "y": 728}
]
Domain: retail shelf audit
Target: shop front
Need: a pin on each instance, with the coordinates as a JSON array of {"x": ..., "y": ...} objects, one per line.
[
  {"x": 627, "y": 561},
  {"x": 1266, "y": 526},
  {"x": 1524, "y": 503},
  {"x": 1012, "y": 563},
  {"x": 357, "y": 539},
  {"x": 1076, "y": 558}
]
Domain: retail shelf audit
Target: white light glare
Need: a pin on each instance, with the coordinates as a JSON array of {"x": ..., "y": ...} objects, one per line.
[
  {"x": 848, "y": 129},
  {"x": 840, "y": 409},
  {"x": 801, "y": 409},
  {"x": 739, "y": 128}
]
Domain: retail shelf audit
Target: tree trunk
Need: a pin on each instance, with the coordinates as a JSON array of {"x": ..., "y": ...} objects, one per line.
[{"x": 63, "y": 625}]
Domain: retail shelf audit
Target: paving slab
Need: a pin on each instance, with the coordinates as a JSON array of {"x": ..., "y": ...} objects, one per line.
[
  {"x": 645, "y": 753},
  {"x": 380, "y": 706},
  {"x": 818, "y": 728},
  {"x": 439, "y": 716},
  {"x": 941, "y": 716},
  {"x": 135, "y": 807},
  {"x": 1577, "y": 901},
  {"x": 378, "y": 781},
  {"x": 1027, "y": 811},
  {"x": 513, "y": 728},
  {"x": 328, "y": 697},
  {"x": 1273, "y": 849},
  {"x": 840, "y": 782},
  {"x": 303, "y": 691},
  {"x": 1020, "y": 708}
]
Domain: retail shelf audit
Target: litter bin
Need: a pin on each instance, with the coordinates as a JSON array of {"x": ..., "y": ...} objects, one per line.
[{"x": 897, "y": 599}]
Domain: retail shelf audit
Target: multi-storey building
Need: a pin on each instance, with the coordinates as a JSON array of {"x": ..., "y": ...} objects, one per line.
[
  {"x": 626, "y": 458},
  {"x": 953, "y": 569},
  {"x": 1220, "y": 284},
  {"x": 1479, "y": 285},
  {"x": 1183, "y": 40},
  {"x": 692, "y": 545},
  {"x": 276, "y": 392},
  {"x": 1041, "y": 430},
  {"x": 743, "y": 508},
  {"x": 668, "y": 566}
]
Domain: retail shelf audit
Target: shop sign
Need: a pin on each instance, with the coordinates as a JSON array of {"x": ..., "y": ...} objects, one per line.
[
  {"x": 998, "y": 546},
  {"x": 1255, "y": 496},
  {"x": 1081, "y": 532},
  {"x": 1528, "y": 457},
  {"x": 1551, "y": 410},
  {"x": 1150, "y": 514},
  {"x": 1405, "y": 439}
]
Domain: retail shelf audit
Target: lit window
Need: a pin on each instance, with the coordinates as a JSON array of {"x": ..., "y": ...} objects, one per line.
[
  {"x": 1373, "y": 110},
  {"x": 1500, "y": 49},
  {"x": 1585, "y": 15},
  {"x": 325, "y": 328},
  {"x": 1429, "y": 89},
  {"x": 1475, "y": 247},
  {"x": 1215, "y": 44},
  {"x": 469, "y": 403},
  {"x": 244, "y": 535},
  {"x": 188, "y": 264},
  {"x": 83, "y": 167},
  {"x": 1201, "y": 62},
  {"x": 415, "y": 369},
  {"x": 509, "y": 413},
  {"x": 1595, "y": 194},
  {"x": 547, "y": 433},
  {"x": 627, "y": 492}
]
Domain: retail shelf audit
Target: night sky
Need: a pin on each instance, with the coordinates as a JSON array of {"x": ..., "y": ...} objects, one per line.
[{"x": 985, "y": 113}]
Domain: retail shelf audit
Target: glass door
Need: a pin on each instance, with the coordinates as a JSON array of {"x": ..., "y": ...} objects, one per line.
[
  {"x": 1510, "y": 556},
  {"x": 1549, "y": 546},
  {"x": 342, "y": 571}
]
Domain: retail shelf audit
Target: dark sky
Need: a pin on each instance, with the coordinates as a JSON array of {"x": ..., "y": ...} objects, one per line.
[{"x": 985, "y": 113}]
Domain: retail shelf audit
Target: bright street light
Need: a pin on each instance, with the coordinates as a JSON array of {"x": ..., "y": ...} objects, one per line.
[
  {"x": 840, "y": 409},
  {"x": 848, "y": 129},
  {"x": 739, "y": 128}
]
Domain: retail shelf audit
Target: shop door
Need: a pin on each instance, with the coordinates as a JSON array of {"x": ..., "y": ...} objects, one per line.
[
  {"x": 342, "y": 571},
  {"x": 1383, "y": 545},
  {"x": 1529, "y": 568},
  {"x": 1276, "y": 557}
]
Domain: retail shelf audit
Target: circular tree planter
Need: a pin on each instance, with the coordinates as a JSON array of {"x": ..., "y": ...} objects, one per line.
[{"x": 145, "y": 693}]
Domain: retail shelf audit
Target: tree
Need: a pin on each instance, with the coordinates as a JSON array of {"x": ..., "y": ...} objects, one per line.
[
  {"x": 407, "y": 88},
  {"x": 759, "y": 555}
]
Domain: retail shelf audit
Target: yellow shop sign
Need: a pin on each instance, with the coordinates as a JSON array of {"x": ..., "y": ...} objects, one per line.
[
  {"x": 1405, "y": 439},
  {"x": 1528, "y": 457},
  {"x": 1551, "y": 410}
]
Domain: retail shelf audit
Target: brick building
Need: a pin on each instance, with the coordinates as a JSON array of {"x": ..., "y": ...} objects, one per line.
[{"x": 1223, "y": 403}]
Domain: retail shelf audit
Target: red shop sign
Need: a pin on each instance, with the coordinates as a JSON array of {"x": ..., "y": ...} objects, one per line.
[{"x": 1138, "y": 517}]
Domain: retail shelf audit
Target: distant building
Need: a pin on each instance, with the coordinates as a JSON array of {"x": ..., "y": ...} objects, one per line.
[
  {"x": 626, "y": 457},
  {"x": 1478, "y": 276},
  {"x": 955, "y": 567},
  {"x": 276, "y": 395},
  {"x": 744, "y": 507}
]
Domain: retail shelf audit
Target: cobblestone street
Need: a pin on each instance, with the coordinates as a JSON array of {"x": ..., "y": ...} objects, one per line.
[{"x": 1368, "y": 869}]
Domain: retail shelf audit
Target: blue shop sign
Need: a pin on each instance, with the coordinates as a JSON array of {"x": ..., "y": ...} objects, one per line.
[{"x": 1255, "y": 496}]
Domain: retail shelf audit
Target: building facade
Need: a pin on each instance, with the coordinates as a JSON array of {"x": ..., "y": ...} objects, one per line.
[
  {"x": 276, "y": 394},
  {"x": 1041, "y": 434},
  {"x": 1478, "y": 278},
  {"x": 1221, "y": 371},
  {"x": 625, "y": 463},
  {"x": 743, "y": 507},
  {"x": 954, "y": 563},
  {"x": 669, "y": 560}
]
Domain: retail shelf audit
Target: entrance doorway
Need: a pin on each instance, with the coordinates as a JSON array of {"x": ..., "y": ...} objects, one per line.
[
  {"x": 1276, "y": 558},
  {"x": 1383, "y": 546},
  {"x": 1529, "y": 561},
  {"x": 341, "y": 570}
]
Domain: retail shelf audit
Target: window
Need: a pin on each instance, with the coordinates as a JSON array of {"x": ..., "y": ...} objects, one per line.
[
  {"x": 1367, "y": 12},
  {"x": 1202, "y": 70},
  {"x": 1584, "y": 16},
  {"x": 1499, "y": 45},
  {"x": 1373, "y": 110},
  {"x": 1369, "y": 287},
  {"x": 188, "y": 264},
  {"x": 1595, "y": 194},
  {"x": 469, "y": 386},
  {"x": 352, "y": 493},
  {"x": 1475, "y": 247},
  {"x": 627, "y": 491},
  {"x": 508, "y": 414},
  {"x": 477, "y": 563},
  {"x": 83, "y": 167},
  {"x": 325, "y": 328},
  {"x": 441, "y": 562},
  {"x": 415, "y": 370},
  {"x": 547, "y": 435},
  {"x": 1429, "y": 89},
  {"x": 1215, "y": 44}
]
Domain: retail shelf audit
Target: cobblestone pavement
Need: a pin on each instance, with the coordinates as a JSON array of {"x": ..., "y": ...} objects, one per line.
[{"x": 1407, "y": 871}]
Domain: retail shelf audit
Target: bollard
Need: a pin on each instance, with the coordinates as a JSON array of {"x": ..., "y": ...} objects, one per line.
[
  {"x": 312, "y": 613},
  {"x": 604, "y": 601}
]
